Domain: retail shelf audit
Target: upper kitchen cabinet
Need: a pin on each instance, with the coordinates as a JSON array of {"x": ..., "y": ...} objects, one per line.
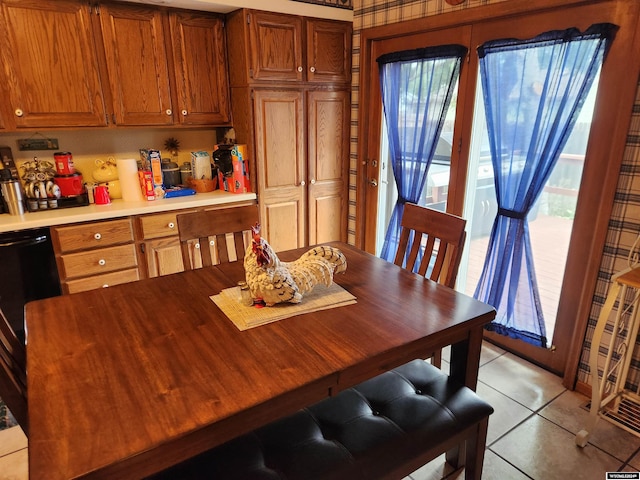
[
  {"x": 328, "y": 51},
  {"x": 200, "y": 59},
  {"x": 49, "y": 64},
  {"x": 137, "y": 63},
  {"x": 165, "y": 67},
  {"x": 287, "y": 48}
]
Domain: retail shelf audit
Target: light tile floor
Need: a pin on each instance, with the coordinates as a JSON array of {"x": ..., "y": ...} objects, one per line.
[
  {"x": 531, "y": 434},
  {"x": 532, "y": 431}
]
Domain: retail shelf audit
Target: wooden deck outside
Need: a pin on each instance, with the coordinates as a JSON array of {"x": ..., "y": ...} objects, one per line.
[{"x": 550, "y": 243}]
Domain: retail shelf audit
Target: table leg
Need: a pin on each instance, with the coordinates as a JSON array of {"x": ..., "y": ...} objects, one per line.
[{"x": 465, "y": 359}]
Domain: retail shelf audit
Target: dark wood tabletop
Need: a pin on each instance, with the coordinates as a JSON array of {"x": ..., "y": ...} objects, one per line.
[{"x": 128, "y": 380}]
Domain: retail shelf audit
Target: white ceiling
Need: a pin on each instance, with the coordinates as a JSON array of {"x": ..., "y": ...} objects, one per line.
[
  {"x": 192, "y": 4},
  {"x": 281, "y": 6}
]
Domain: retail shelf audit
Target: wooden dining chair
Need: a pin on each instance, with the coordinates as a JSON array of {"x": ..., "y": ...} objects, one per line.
[
  {"x": 13, "y": 376},
  {"x": 211, "y": 228},
  {"x": 442, "y": 236}
]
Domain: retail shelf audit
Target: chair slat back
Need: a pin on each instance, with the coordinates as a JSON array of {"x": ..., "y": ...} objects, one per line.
[
  {"x": 13, "y": 376},
  {"x": 441, "y": 234},
  {"x": 210, "y": 228}
]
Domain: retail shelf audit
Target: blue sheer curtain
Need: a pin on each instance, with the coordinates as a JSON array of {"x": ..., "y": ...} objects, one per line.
[
  {"x": 533, "y": 91},
  {"x": 417, "y": 86}
]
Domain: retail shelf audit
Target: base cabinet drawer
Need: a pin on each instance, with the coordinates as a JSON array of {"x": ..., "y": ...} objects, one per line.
[
  {"x": 103, "y": 281},
  {"x": 98, "y": 261},
  {"x": 93, "y": 235},
  {"x": 160, "y": 225}
]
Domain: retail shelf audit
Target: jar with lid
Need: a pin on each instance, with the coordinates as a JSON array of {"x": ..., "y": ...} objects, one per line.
[
  {"x": 185, "y": 173},
  {"x": 170, "y": 174}
]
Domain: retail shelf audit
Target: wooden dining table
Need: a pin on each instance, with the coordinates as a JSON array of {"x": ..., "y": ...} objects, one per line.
[{"x": 128, "y": 380}]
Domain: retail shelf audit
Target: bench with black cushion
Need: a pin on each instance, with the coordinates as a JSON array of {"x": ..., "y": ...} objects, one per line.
[{"x": 386, "y": 427}]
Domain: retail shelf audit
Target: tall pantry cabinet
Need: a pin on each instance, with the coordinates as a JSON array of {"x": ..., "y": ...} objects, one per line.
[{"x": 290, "y": 89}]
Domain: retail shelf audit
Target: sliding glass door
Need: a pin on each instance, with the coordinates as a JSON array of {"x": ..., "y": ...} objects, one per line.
[{"x": 462, "y": 179}]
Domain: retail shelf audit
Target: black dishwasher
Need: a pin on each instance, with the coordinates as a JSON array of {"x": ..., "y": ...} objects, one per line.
[{"x": 27, "y": 272}]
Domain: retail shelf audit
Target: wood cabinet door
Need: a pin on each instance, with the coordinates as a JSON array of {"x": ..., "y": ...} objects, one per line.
[
  {"x": 281, "y": 166},
  {"x": 276, "y": 47},
  {"x": 328, "y": 51},
  {"x": 163, "y": 256},
  {"x": 136, "y": 55},
  {"x": 50, "y": 64},
  {"x": 200, "y": 69},
  {"x": 328, "y": 160}
]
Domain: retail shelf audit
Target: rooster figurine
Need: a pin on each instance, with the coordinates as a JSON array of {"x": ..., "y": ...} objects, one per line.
[{"x": 275, "y": 281}]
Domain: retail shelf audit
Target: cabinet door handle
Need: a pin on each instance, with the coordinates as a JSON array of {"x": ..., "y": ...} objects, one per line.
[
  {"x": 102, "y": 262},
  {"x": 303, "y": 183},
  {"x": 171, "y": 225},
  {"x": 19, "y": 112},
  {"x": 184, "y": 113},
  {"x": 168, "y": 111},
  {"x": 313, "y": 181},
  {"x": 197, "y": 245},
  {"x": 312, "y": 69},
  {"x": 300, "y": 69},
  {"x": 97, "y": 236},
  {"x": 106, "y": 285}
]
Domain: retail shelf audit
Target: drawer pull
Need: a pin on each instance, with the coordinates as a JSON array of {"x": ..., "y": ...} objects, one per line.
[
  {"x": 106, "y": 285},
  {"x": 102, "y": 262},
  {"x": 212, "y": 242},
  {"x": 171, "y": 225},
  {"x": 97, "y": 236},
  {"x": 197, "y": 245}
]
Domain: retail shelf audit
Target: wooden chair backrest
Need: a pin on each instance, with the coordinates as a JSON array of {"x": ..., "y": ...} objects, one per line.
[
  {"x": 13, "y": 373},
  {"x": 442, "y": 234},
  {"x": 216, "y": 224}
]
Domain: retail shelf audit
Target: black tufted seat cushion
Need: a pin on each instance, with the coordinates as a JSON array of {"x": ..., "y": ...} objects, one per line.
[{"x": 385, "y": 427}]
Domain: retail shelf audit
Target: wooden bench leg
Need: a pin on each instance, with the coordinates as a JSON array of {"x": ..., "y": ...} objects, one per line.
[
  {"x": 472, "y": 451},
  {"x": 476, "y": 446}
]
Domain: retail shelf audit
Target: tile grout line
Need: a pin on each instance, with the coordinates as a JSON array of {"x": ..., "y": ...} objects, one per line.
[{"x": 508, "y": 462}]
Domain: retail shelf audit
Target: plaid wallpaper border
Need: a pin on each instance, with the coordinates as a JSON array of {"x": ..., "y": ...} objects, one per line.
[
  {"x": 624, "y": 225},
  {"x": 348, "y": 4}
]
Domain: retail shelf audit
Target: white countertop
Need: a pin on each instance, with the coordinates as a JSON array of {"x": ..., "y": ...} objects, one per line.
[{"x": 117, "y": 208}]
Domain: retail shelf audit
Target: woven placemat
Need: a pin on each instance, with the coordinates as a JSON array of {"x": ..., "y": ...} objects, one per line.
[{"x": 245, "y": 317}]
